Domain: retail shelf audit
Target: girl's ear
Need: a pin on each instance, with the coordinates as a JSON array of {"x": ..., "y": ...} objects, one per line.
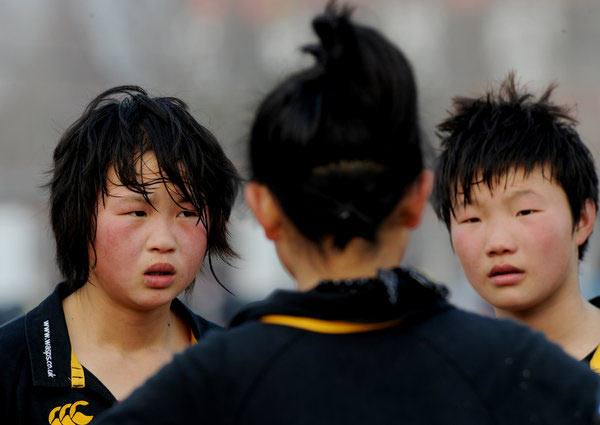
[
  {"x": 265, "y": 208},
  {"x": 585, "y": 225},
  {"x": 414, "y": 201}
]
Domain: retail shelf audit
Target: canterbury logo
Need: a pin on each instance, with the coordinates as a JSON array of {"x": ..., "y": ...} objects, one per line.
[{"x": 68, "y": 415}]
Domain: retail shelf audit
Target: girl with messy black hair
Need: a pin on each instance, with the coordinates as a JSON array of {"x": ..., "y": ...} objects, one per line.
[
  {"x": 140, "y": 195},
  {"x": 338, "y": 184}
]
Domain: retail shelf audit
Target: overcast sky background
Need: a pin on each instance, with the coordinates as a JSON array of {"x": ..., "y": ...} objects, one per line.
[{"x": 221, "y": 57}]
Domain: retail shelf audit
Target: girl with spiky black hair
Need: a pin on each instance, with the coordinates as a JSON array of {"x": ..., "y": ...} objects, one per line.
[{"x": 518, "y": 191}]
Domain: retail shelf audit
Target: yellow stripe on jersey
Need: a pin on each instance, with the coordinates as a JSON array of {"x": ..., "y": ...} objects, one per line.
[
  {"x": 595, "y": 362},
  {"x": 77, "y": 375},
  {"x": 326, "y": 326}
]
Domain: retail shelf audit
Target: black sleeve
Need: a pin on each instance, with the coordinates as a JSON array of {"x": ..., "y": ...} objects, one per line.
[
  {"x": 548, "y": 387},
  {"x": 518, "y": 375}
]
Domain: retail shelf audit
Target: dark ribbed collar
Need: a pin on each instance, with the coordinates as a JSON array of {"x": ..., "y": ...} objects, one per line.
[{"x": 394, "y": 293}]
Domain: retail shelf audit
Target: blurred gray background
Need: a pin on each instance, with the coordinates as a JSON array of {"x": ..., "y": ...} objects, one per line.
[{"x": 221, "y": 57}]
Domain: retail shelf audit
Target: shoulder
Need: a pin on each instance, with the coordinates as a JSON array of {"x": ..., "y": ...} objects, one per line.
[
  {"x": 455, "y": 329},
  {"x": 208, "y": 380},
  {"x": 16, "y": 336},
  {"x": 13, "y": 338},
  {"x": 27, "y": 340},
  {"x": 246, "y": 346},
  {"x": 14, "y": 358},
  {"x": 504, "y": 360},
  {"x": 466, "y": 336},
  {"x": 230, "y": 361}
]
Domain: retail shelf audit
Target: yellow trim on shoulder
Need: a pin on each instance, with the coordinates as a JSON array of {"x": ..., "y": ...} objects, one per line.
[
  {"x": 595, "y": 362},
  {"x": 77, "y": 375},
  {"x": 326, "y": 326},
  {"x": 193, "y": 339}
]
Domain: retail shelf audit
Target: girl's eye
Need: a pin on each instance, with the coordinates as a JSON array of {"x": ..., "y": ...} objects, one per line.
[
  {"x": 524, "y": 212},
  {"x": 137, "y": 213},
  {"x": 471, "y": 220},
  {"x": 188, "y": 213}
]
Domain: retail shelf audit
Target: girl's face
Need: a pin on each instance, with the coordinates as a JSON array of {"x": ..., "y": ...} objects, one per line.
[
  {"x": 517, "y": 242},
  {"x": 145, "y": 254}
]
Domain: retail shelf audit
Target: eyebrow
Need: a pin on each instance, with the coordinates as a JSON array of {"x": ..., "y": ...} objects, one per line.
[
  {"x": 512, "y": 195},
  {"x": 521, "y": 193},
  {"x": 132, "y": 197}
]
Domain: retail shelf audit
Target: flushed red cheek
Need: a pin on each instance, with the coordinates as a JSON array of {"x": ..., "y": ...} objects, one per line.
[
  {"x": 195, "y": 250},
  {"x": 470, "y": 253},
  {"x": 115, "y": 231},
  {"x": 465, "y": 245},
  {"x": 116, "y": 242},
  {"x": 548, "y": 237},
  {"x": 552, "y": 252}
]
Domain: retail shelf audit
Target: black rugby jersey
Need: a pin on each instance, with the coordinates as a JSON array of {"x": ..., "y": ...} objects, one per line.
[
  {"x": 368, "y": 351},
  {"x": 41, "y": 380}
]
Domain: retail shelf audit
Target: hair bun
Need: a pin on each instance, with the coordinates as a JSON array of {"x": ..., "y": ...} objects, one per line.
[
  {"x": 326, "y": 27},
  {"x": 333, "y": 30}
]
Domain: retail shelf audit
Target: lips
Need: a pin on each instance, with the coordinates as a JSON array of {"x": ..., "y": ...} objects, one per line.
[
  {"x": 505, "y": 274},
  {"x": 159, "y": 275},
  {"x": 160, "y": 269}
]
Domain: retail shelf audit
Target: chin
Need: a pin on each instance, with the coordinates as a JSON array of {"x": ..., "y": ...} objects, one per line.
[
  {"x": 512, "y": 306},
  {"x": 154, "y": 301}
]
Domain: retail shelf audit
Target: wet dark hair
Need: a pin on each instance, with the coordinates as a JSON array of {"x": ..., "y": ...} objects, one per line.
[
  {"x": 115, "y": 130},
  {"x": 339, "y": 142},
  {"x": 489, "y": 137}
]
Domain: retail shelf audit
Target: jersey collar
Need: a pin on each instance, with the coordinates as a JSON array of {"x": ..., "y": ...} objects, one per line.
[
  {"x": 48, "y": 341},
  {"x": 53, "y": 364}
]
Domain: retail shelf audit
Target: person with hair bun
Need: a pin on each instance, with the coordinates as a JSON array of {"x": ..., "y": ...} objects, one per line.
[{"x": 337, "y": 184}]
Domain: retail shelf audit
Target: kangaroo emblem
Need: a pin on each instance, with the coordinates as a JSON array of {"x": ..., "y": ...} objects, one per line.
[{"x": 72, "y": 417}]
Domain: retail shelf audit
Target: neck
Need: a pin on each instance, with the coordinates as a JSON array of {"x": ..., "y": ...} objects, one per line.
[
  {"x": 359, "y": 259},
  {"x": 565, "y": 319},
  {"x": 93, "y": 315}
]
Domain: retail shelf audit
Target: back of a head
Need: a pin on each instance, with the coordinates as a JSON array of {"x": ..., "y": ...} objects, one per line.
[
  {"x": 486, "y": 138},
  {"x": 339, "y": 142}
]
